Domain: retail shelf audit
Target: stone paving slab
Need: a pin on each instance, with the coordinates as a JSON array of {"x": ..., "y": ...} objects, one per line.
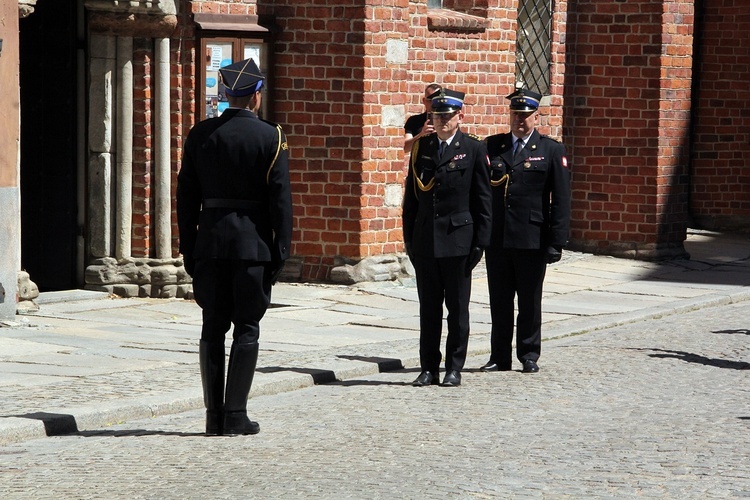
[
  {"x": 656, "y": 410},
  {"x": 314, "y": 333}
]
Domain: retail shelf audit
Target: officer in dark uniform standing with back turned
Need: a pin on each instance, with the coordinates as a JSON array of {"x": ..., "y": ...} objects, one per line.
[
  {"x": 447, "y": 222},
  {"x": 234, "y": 211},
  {"x": 531, "y": 220}
]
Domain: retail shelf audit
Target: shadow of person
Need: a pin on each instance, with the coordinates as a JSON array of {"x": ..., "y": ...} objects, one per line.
[
  {"x": 741, "y": 331},
  {"x": 63, "y": 424},
  {"x": 136, "y": 433},
  {"x": 689, "y": 357}
]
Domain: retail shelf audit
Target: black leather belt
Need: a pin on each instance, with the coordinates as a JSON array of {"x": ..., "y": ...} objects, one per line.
[{"x": 228, "y": 203}]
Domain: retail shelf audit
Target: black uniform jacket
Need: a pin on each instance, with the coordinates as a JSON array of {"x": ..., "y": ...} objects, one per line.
[
  {"x": 233, "y": 193},
  {"x": 531, "y": 194},
  {"x": 447, "y": 201}
]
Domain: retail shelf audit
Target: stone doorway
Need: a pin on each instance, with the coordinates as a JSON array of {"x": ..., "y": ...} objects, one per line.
[{"x": 49, "y": 186}]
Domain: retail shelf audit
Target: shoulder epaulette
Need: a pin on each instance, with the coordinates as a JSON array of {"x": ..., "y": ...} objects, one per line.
[
  {"x": 544, "y": 136},
  {"x": 475, "y": 137},
  {"x": 274, "y": 125},
  {"x": 281, "y": 145}
]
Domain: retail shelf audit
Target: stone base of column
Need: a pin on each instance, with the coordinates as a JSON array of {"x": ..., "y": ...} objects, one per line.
[{"x": 139, "y": 277}]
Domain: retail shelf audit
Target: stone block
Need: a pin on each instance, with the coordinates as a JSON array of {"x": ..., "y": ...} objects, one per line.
[{"x": 125, "y": 290}]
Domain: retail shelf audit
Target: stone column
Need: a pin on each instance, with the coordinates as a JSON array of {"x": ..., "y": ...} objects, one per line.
[
  {"x": 124, "y": 208},
  {"x": 102, "y": 68},
  {"x": 162, "y": 174}
]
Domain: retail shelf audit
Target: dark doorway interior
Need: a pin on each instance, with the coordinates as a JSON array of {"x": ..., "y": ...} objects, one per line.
[{"x": 48, "y": 144}]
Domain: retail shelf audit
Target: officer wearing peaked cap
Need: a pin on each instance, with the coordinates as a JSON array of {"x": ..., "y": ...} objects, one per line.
[
  {"x": 234, "y": 212},
  {"x": 531, "y": 218},
  {"x": 447, "y": 224}
]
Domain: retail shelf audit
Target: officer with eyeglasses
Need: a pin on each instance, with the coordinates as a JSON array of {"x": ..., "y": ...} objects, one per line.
[{"x": 447, "y": 221}]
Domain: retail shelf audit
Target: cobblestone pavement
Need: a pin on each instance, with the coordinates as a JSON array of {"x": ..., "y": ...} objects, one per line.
[{"x": 657, "y": 409}]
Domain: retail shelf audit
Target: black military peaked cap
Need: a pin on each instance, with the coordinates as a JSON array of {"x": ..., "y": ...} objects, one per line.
[
  {"x": 524, "y": 100},
  {"x": 447, "y": 101}
]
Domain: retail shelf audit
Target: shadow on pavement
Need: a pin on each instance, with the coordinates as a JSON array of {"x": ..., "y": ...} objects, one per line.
[
  {"x": 352, "y": 383},
  {"x": 384, "y": 364},
  {"x": 138, "y": 433},
  {"x": 55, "y": 424},
  {"x": 742, "y": 331},
  {"x": 715, "y": 258},
  {"x": 318, "y": 376},
  {"x": 697, "y": 358}
]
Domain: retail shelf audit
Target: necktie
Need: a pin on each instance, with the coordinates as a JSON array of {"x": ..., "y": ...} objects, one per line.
[
  {"x": 519, "y": 147},
  {"x": 443, "y": 145}
]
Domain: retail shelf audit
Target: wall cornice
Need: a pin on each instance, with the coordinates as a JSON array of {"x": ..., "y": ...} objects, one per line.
[
  {"x": 138, "y": 18},
  {"x": 150, "y": 7}
]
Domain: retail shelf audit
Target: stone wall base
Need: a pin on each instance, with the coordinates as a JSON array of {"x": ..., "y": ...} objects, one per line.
[
  {"x": 733, "y": 223},
  {"x": 139, "y": 277},
  {"x": 629, "y": 250},
  {"x": 167, "y": 278},
  {"x": 379, "y": 268}
]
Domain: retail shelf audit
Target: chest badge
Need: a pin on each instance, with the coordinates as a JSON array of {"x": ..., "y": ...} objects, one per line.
[{"x": 527, "y": 164}]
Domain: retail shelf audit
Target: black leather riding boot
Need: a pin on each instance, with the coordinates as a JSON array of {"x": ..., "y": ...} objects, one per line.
[
  {"x": 211, "y": 356},
  {"x": 242, "y": 361}
]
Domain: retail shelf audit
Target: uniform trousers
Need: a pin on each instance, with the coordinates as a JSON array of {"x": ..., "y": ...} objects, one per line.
[
  {"x": 231, "y": 292},
  {"x": 511, "y": 273},
  {"x": 443, "y": 280}
]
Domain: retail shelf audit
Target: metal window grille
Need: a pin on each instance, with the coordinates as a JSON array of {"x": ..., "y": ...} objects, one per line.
[{"x": 534, "y": 45}]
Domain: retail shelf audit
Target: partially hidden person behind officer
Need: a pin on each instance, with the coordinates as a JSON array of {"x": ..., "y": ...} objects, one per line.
[
  {"x": 531, "y": 220},
  {"x": 447, "y": 222},
  {"x": 418, "y": 126},
  {"x": 234, "y": 212}
]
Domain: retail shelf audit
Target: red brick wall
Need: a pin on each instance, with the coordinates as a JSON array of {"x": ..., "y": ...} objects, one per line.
[
  {"x": 385, "y": 84},
  {"x": 143, "y": 201},
  {"x": 320, "y": 101},
  {"x": 720, "y": 175},
  {"x": 332, "y": 82},
  {"x": 184, "y": 110},
  {"x": 621, "y": 93},
  {"x": 627, "y": 123}
]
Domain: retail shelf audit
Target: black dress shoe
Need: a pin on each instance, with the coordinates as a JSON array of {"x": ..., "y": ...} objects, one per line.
[
  {"x": 425, "y": 379},
  {"x": 489, "y": 366},
  {"x": 452, "y": 379},
  {"x": 530, "y": 366}
]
